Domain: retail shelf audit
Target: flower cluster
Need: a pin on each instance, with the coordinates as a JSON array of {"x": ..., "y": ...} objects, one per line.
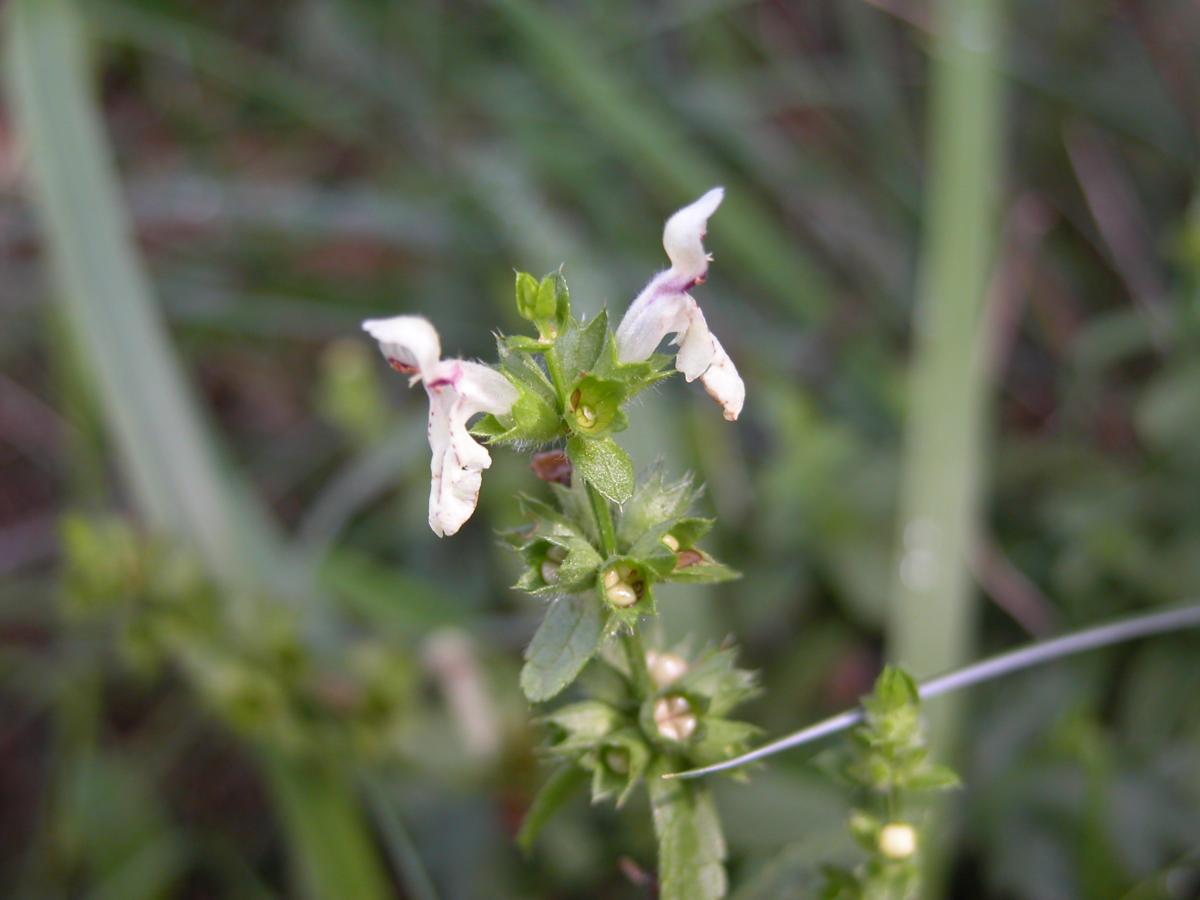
[
  {"x": 681, "y": 717},
  {"x": 655, "y": 539},
  {"x": 567, "y": 384}
]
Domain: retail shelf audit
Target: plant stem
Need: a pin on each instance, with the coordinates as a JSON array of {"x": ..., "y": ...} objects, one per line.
[
  {"x": 985, "y": 670},
  {"x": 603, "y": 512},
  {"x": 631, "y": 640}
]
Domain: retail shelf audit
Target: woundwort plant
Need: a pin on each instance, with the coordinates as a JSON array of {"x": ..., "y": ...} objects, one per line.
[
  {"x": 596, "y": 548},
  {"x": 602, "y": 542}
]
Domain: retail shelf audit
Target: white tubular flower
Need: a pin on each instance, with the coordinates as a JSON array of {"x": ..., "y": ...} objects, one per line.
[
  {"x": 665, "y": 307},
  {"x": 457, "y": 390}
]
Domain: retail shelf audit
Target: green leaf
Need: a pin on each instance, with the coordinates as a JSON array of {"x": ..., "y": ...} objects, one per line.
[
  {"x": 933, "y": 778},
  {"x": 653, "y": 503},
  {"x": 715, "y": 677},
  {"x": 534, "y": 420},
  {"x": 706, "y": 570},
  {"x": 578, "y": 347},
  {"x": 618, "y": 764},
  {"x": 604, "y": 465},
  {"x": 635, "y": 376},
  {"x": 582, "y": 726},
  {"x": 547, "y": 299},
  {"x": 524, "y": 372},
  {"x": 527, "y": 297},
  {"x": 489, "y": 428},
  {"x": 567, "y": 638},
  {"x": 691, "y": 847},
  {"x": 575, "y": 562},
  {"x": 894, "y": 690},
  {"x": 544, "y": 523},
  {"x": 560, "y": 787},
  {"x": 577, "y": 507},
  {"x": 524, "y": 343}
]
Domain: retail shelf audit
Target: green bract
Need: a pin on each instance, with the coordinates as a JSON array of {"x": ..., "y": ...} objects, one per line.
[
  {"x": 570, "y": 385},
  {"x": 620, "y": 738},
  {"x": 563, "y": 553}
]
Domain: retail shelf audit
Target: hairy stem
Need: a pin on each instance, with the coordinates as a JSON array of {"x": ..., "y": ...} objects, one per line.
[
  {"x": 603, "y": 512},
  {"x": 631, "y": 640}
]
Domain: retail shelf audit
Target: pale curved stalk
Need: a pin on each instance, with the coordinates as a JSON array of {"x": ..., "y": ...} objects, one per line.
[{"x": 1176, "y": 619}]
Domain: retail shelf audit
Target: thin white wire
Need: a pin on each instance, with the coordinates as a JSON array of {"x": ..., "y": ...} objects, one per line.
[{"x": 1174, "y": 619}]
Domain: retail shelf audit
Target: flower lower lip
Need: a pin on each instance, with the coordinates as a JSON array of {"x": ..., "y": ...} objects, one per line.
[{"x": 402, "y": 368}]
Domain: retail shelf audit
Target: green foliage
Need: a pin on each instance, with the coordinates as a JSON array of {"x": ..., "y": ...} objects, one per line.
[
  {"x": 888, "y": 763},
  {"x": 251, "y": 665},
  {"x": 603, "y": 464},
  {"x": 568, "y": 637},
  {"x": 547, "y": 304},
  {"x": 558, "y": 789},
  {"x": 595, "y": 590}
]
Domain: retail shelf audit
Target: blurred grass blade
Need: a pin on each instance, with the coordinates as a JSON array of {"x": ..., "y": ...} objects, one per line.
[
  {"x": 164, "y": 446},
  {"x": 932, "y": 610},
  {"x": 328, "y": 834}
]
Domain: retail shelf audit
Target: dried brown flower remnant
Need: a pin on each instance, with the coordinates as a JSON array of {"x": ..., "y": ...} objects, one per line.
[{"x": 552, "y": 466}]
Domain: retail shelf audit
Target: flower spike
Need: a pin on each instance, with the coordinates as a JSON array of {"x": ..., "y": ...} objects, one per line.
[
  {"x": 665, "y": 307},
  {"x": 457, "y": 390}
]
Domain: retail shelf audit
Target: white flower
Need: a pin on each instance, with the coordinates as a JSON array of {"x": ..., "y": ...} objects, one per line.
[
  {"x": 665, "y": 307},
  {"x": 457, "y": 390}
]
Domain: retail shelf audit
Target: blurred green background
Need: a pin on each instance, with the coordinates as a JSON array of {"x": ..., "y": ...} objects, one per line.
[{"x": 209, "y": 706}]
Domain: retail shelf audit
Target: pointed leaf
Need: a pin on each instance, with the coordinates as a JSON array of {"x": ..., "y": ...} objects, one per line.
[
  {"x": 579, "y": 345},
  {"x": 567, "y": 638},
  {"x": 561, "y": 786},
  {"x": 604, "y": 465}
]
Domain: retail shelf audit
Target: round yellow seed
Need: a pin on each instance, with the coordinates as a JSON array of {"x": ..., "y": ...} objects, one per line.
[{"x": 622, "y": 595}]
